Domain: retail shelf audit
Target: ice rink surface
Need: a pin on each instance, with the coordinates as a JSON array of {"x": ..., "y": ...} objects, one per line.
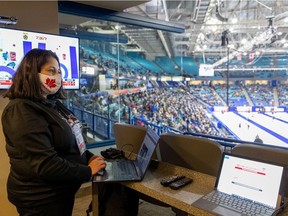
[{"x": 273, "y": 131}]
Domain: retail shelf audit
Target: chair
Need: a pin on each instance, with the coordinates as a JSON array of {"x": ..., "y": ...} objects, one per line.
[
  {"x": 267, "y": 153},
  {"x": 129, "y": 137},
  {"x": 196, "y": 153}
]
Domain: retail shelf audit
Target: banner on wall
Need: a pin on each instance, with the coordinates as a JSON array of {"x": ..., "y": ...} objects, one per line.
[
  {"x": 127, "y": 91},
  {"x": 251, "y": 56}
]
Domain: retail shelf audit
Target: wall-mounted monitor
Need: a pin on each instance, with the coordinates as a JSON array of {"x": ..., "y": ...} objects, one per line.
[{"x": 14, "y": 44}]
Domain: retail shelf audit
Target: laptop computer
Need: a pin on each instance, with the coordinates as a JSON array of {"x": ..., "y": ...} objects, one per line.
[
  {"x": 248, "y": 181},
  {"x": 130, "y": 170}
]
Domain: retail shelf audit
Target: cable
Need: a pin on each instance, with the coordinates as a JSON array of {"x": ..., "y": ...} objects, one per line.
[
  {"x": 128, "y": 144},
  {"x": 281, "y": 208}
]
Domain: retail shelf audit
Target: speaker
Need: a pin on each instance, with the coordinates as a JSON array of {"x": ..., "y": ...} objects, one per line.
[{"x": 224, "y": 38}]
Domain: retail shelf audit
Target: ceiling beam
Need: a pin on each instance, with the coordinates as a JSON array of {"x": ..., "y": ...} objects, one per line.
[{"x": 118, "y": 17}]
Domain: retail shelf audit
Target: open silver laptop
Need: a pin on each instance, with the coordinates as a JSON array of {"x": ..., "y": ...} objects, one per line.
[
  {"x": 245, "y": 186},
  {"x": 131, "y": 170}
]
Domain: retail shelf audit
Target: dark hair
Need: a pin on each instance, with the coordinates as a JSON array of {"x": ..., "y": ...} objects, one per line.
[{"x": 26, "y": 82}]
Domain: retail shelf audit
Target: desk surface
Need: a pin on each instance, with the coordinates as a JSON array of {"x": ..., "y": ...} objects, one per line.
[{"x": 181, "y": 198}]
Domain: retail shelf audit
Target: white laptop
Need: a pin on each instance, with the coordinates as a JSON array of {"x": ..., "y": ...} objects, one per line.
[{"x": 245, "y": 185}]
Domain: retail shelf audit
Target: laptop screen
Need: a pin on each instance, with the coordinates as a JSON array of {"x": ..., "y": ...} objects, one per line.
[
  {"x": 250, "y": 179},
  {"x": 147, "y": 149}
]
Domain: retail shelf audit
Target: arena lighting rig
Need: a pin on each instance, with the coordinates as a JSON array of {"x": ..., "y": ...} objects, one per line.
[{"x": 264, "y": 38}]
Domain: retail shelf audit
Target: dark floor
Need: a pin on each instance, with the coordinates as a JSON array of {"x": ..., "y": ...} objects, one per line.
[
  {"x": 83, "y": 198},
  {"x": 145, "y": 208}
]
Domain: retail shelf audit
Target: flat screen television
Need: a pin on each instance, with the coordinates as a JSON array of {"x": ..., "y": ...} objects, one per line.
[{"x": 14, "y": 44}]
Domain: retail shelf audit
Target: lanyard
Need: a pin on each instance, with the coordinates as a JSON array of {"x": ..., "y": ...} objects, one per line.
[{"x": 75, "y": 125}]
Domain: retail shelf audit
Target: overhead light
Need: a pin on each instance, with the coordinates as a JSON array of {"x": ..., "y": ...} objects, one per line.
[
  {"x": 243, "y": 41},
  {"x": 231, "y": 46},
  {"x": 234, "y": 20},
  {"x": 214, "y": 28}
]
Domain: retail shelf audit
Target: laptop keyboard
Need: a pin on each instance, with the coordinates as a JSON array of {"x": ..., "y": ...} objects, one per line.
[
  {"x": 121, "y": 168},
  {"x": 240, "y": 205}
]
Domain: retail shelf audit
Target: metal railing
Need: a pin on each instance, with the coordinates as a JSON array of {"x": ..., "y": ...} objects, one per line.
[{"x": 100, "y": 129}]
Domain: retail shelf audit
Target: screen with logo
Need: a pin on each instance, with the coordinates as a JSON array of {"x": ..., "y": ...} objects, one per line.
[
  {"x": 206, "y": 70},
  {"x": 14, "y": 44}
]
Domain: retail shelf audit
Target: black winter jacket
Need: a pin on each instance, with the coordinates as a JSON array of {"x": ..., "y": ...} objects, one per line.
[{"x": 45, "y": 161}]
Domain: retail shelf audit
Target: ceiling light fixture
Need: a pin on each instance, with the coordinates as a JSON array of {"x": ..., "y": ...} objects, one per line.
[{"x": 264, "y": 38}]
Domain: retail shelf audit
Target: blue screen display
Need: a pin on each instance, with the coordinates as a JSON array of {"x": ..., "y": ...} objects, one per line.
[{"x": 14, "y": 44}]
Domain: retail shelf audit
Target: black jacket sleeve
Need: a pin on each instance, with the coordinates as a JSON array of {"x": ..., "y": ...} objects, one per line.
[{"x": 41, "y": 145}]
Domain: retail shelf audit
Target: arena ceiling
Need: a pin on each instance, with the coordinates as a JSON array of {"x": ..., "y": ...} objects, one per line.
[{"x": 210, "y": 26}]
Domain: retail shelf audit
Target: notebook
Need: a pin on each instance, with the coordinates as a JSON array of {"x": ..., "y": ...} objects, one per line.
[
  {"x": 248, "y": 181},
  {"x": 130, "y": 170}
]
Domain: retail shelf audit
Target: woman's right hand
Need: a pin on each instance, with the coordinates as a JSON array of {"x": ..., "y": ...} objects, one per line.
[{"x": 96, "y": 164}]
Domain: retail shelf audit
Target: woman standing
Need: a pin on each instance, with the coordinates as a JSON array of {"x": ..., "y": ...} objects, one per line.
[{"x": 48, "y": 156}]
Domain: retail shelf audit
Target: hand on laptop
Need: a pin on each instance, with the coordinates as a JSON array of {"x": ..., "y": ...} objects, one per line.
[{"x": 96, "y": 163}]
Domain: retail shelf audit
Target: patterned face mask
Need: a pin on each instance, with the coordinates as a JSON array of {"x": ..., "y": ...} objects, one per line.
[{"x": 50, "y": 84}]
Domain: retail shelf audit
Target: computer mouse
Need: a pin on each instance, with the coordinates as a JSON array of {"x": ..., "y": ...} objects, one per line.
[{"x": 100, "y": 172}]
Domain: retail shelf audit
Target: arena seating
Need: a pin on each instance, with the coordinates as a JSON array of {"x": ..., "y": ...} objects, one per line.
[
  {"x": 168, "y": 65},
  {"x": 261, "y": 95}
]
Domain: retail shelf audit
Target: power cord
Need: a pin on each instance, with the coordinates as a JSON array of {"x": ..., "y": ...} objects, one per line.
[
  {"x": 280, "y": 209},
  {"x": 128, "y": 144}
]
